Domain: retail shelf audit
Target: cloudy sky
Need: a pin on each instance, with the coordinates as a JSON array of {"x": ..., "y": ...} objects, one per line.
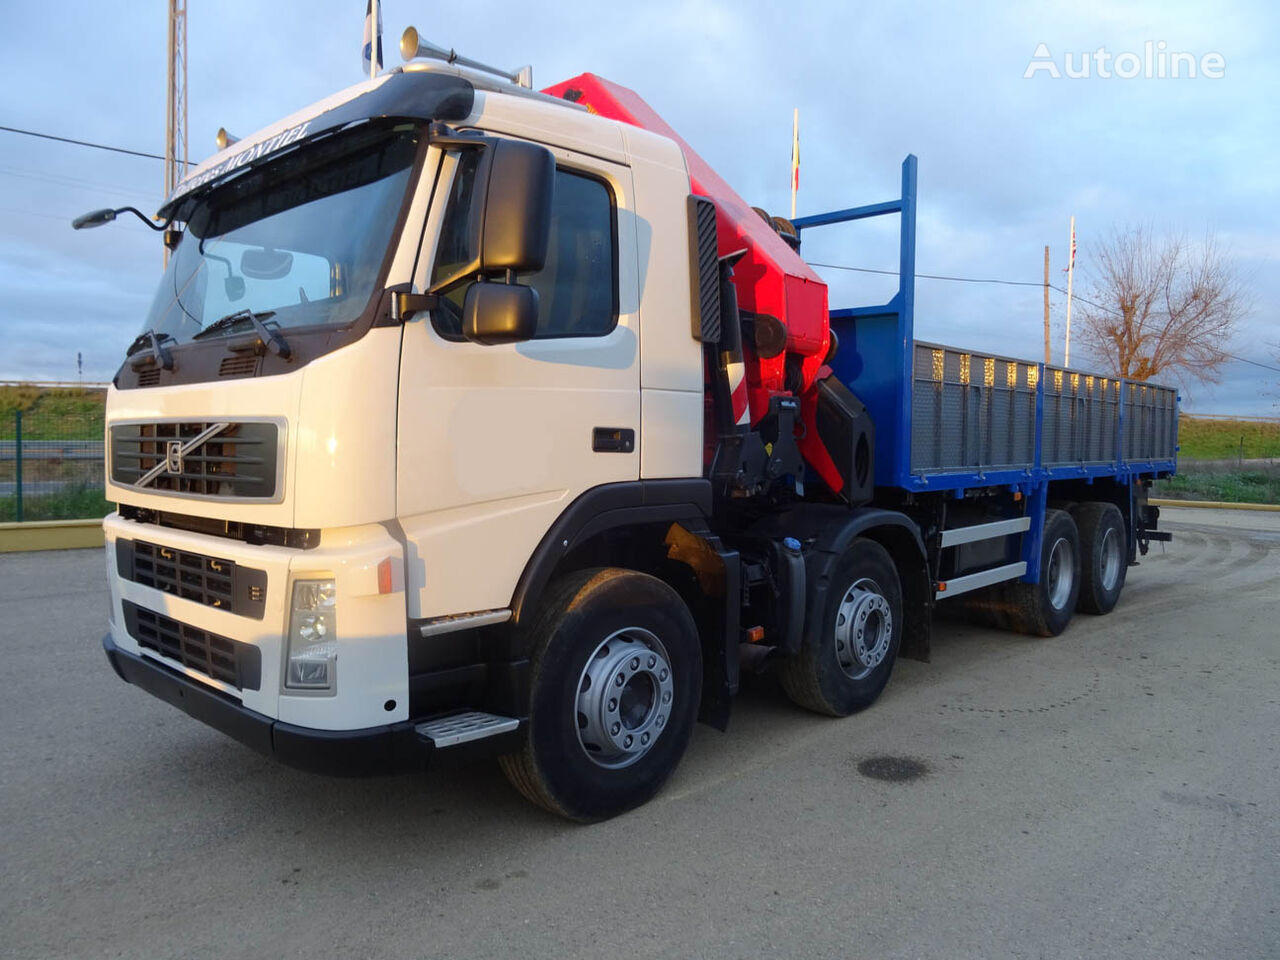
[{"x": 1004, "y": 161}]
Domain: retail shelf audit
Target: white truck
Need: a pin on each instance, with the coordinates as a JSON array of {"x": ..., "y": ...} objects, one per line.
[{"x": 475, "y": 419}]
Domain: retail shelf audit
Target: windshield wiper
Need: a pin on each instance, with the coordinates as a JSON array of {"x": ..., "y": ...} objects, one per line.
[
  {"x": 272, "y": 338},
  {"x": 149, "y": 340}
]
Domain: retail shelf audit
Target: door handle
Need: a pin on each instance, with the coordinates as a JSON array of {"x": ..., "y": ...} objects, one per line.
[{"x": 613, "y": 440}]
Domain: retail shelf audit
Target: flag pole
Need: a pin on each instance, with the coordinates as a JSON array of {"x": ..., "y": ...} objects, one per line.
[
  {"x": 1071, "y": 269},
  {"x": 795, "y": 158},
  {"x": 375, "y": 39}
]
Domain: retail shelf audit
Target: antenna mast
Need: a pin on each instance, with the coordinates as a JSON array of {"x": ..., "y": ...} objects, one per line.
[{"x": 175, "y": 124}]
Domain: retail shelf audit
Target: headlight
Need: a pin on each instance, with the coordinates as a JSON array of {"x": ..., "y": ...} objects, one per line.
[{"x": 313, "y": 636}]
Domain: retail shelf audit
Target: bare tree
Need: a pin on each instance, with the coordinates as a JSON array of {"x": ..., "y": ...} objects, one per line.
[{"x": 1160, "y": 306}]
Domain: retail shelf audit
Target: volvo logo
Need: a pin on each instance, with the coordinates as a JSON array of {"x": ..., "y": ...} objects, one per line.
[
  {"x": 173, "y": 457},
  {"x": 175, "y": 451}
]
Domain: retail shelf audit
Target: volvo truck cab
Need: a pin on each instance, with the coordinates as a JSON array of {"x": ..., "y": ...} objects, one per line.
[{"x": 397, "y": 336}]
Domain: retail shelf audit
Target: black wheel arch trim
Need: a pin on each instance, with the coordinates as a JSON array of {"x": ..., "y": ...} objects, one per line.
[
  {"x": 827, "y": 530},
  {"x": 607, "y": 507}
]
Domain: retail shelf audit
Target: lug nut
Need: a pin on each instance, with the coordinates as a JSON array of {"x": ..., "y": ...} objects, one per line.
[
  {"x": 627, "y": 742},
  {"x": 635, "y": 663},
  {"x": 652, "y": 662},
  {"x": 663, "y": 675},
  {"x": 644, "y": 738},
  {"x": 615, "y": 728},
  {"x": 613, "y": 704}
]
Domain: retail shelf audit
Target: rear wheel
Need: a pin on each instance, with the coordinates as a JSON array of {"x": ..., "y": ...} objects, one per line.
[
  {"x": 1045, "y": 608},
  {"x": 1104, "y": 555},
  {"x": 845, "y": 664},
  {"x": 616, "y": 677}
]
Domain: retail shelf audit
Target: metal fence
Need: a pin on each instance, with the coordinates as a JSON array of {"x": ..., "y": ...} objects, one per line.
[{"x": 51, "y": 460}]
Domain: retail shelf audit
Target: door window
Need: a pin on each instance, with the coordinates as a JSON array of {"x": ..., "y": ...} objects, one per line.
[{"x": 578, "y": 286}]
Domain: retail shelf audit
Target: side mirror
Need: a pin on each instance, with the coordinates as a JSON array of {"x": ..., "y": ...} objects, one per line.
[
  {"x": 95, "y": 218},
  {"x": 517, "y": 207},
  {"x": 494, "y": 313},
  {"x": 508, "y": 211}
]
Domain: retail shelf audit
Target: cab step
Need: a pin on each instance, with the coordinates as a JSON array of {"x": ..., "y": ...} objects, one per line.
[{"x": 458, "y": 728}]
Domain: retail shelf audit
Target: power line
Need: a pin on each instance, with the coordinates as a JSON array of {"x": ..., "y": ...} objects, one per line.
[
  {"x": 1254, "y": 363},
  {"x": 74, "y": 183},
  {"x": 33, "y": 213},
  {"x": 934, "y": 276},
  {"x": 82, "y": 143},
  {"x": 1013, "y": 283}
]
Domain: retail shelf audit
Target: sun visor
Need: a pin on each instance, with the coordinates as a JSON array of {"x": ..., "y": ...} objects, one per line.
[{"x": 411, "y": 96}]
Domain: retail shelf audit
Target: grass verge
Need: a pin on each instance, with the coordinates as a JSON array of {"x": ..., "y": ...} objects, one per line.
[
  {"x": 1228, "y": 439},
  {"x": 1249, "y": 486},
  {"x": 73, "y": 503}
]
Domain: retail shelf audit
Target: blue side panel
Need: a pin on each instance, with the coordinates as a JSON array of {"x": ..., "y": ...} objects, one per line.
[
  {"x": 874, "y": 359},
  {"x": 863, "y": 363}
]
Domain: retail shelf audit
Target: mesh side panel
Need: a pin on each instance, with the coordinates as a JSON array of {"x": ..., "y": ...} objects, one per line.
[
  {"x": 1150, "y": 422},
  {"x": 970, "y": 411},
  {"x": 704, "y": 252}
]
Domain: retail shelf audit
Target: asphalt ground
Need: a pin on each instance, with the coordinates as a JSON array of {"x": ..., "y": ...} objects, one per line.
[{"x": 1109, "y": 793}]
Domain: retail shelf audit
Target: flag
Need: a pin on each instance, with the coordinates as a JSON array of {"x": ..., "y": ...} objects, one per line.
[
  {"x": 1071, "y": 261},
  {"x": 372, "y": 35}
]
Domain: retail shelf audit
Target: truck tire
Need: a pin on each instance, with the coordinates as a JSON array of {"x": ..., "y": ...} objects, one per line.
[
  {"x": 845, "y": 663},
  {"x": 1104, "y": 555},
  {"x": 615, "y": 682},
  {"x": 1044, "y": 609}
]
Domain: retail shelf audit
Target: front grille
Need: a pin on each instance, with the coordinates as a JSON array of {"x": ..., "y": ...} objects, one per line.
[
  {"x": 193, "y": 576},
  {"x": 236, "y": 664},
  {"x": 236, "y": 460}
]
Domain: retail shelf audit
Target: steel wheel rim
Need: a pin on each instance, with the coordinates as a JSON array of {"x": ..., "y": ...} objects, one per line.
[
  {"x": 625, "y": 695},
  {"x": 864, "y": 628},
  {"x": 1061, "y": 573},
  {"x": 1110, "y": 551}
]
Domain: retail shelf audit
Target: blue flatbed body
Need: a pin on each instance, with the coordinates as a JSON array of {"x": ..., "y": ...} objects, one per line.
[
  {"x": 1059, "y": 424},
  {"x": 950, "y": 420}
]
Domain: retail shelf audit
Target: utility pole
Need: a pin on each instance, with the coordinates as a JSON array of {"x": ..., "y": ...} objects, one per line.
[
  {"x": 175, "y": 123},
  {"x": 1046, "y": 303},
  {"x": 1071, "y": 270}
]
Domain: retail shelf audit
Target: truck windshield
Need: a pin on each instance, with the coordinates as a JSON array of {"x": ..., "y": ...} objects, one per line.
[{"x": 301, "y": 240}]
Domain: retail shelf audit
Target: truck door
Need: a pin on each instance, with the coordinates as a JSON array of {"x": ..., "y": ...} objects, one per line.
[{"x": 495, "y": 441}]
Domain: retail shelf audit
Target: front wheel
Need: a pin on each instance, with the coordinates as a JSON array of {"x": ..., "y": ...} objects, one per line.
[
  {"x": 845, "y": 663},
  {"x": 616, "y": 677}
]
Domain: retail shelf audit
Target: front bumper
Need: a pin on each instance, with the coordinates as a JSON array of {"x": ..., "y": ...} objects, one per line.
[{"x": 393, "y": 748}]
